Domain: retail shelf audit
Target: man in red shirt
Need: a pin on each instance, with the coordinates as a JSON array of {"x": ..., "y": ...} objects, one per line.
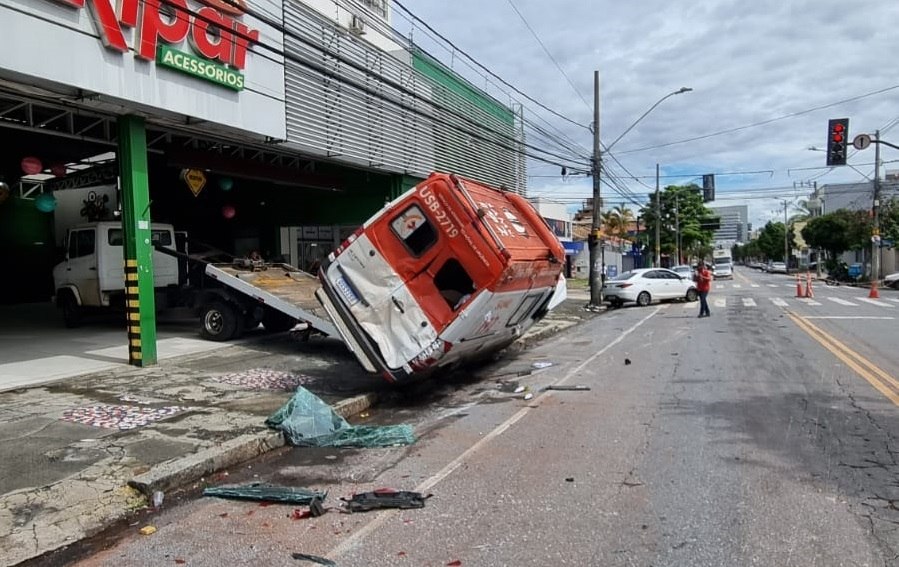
[{"x": 703, "y": 285}]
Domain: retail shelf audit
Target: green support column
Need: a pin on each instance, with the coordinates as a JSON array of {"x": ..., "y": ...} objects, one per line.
[{"x": 140, "y": 302}]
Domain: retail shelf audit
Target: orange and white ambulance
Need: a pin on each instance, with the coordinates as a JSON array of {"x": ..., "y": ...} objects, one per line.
[{"x": 449, "y": 271}]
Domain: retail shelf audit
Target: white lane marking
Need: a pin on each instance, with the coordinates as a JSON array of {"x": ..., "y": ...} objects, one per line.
[
  {"x": 748, "y": 302},
  {"x": 773, "y": 285},
  {"x": 779, "y": 302},
  {"x": 690, "y": 304},
  {"x": 850, "y": 317},
  {"x": 807, "y": 301},
  {"x": 737, "y": 285},
  {"x": 755, "y": 285},
  {"x": 892, "y": 299},
  {"x": 357, "y": 537},
  {"x": 842, "y": 301},
  {"x": 874, "y": 302},
  {"x": 720, "y": 303},
  {"x": 719, "y": 286}
]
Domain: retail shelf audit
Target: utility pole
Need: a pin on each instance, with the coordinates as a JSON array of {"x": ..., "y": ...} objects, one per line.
[
  {"x": 786, "y": 239},
  {"x": 658, "y": 222},
  {"x": 677, "y": 227},
  {"x": 594, "y": 239},
  {"x": 875, "y": 241}
]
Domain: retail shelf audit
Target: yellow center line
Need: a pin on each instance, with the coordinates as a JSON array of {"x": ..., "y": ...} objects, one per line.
[{"x": 883, "y": 382}]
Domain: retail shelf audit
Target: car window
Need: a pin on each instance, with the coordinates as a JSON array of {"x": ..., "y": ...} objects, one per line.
[{"x": 623, "y": 276}]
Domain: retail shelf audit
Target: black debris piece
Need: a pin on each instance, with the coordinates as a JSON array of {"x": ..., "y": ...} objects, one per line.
[
  {"x": 574, "y": 388},
  {"x": 627, "y": 361},
  {"x": 366, "y": 501},
  {"x": 316, "y": 508},
  {"x": 313, "y": 558}
]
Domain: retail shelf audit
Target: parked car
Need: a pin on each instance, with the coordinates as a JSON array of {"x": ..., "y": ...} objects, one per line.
[
  {"x": 646, "y": 285},
  {"x": 777, "y": 268},
  {"x": 892, "y": 280},
  {"x": 683, "y": 270}
]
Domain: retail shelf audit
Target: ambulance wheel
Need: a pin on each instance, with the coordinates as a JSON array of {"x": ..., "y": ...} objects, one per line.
[
  {"x": 219, "y": 322},
  {"x": 644, "y": 299},
  {"x": 277, "y": 322},
  {"x": 72, "y": 314}
]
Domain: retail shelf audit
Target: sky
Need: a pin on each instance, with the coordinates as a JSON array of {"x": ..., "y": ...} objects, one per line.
[{"x": 766, "y": 77}]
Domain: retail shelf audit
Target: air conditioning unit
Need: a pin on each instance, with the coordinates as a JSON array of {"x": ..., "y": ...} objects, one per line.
[{"x": 357, "y": 25}]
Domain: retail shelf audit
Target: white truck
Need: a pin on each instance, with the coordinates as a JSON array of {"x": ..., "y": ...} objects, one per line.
[
  {"x": 723, "y": 264},
  {"x": 227, "y": 298}
]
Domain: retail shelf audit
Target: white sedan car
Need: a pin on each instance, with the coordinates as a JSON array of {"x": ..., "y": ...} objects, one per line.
[
  {"x": 892, "y": 280},
  {"x": 646, "y": 285}
]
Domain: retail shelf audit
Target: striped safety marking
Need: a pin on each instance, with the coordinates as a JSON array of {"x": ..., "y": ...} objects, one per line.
[{"x": 132, "y": 311}]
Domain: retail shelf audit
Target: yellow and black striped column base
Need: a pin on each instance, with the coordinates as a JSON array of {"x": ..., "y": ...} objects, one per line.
[{"x": 132, "y": 313}]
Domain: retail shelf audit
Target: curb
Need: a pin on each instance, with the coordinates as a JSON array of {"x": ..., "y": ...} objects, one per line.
[{"x": 177, "y": 472}]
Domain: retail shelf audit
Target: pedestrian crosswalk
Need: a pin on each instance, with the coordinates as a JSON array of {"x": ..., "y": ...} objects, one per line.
[{"x": 889, "y": 303}]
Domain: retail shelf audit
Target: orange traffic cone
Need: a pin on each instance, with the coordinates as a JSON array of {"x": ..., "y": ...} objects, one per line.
[
  {"x": 799, "y": 292},
  {"x": 874, "y": 294},
  {"x": 808, "y": 285}
]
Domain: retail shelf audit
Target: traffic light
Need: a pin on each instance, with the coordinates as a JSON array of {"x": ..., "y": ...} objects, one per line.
[
  {"x": 708, "y": 187},
  {"x": 837, "y": 136}
]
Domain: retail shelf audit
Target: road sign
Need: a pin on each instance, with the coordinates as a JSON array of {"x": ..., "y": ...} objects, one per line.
[{"x": 861, "y": 141}]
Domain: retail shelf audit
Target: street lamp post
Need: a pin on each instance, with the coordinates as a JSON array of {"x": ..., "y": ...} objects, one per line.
[{"x": 595, "y": 168}]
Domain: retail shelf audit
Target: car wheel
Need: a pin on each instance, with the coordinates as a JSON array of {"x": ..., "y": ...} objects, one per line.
[
  {"x": 219, "y": 322},
  {"x": 692, "y": 295},
  {"x": 72, "y": 314},
  {"x": 644, "y": 299}
]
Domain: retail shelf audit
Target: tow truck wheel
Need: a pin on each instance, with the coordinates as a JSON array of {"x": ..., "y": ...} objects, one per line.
[
  {"x": 276, "y": 322},
  {"x": 71, "y": 311},
  {"x": 219, "y": 322}
]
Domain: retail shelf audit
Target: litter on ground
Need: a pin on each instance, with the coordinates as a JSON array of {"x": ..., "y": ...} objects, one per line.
[{"x": 267, "y": 493}]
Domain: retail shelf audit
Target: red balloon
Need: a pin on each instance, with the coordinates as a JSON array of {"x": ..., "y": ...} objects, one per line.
[
  {"x": 228, "y": 211},
  {"x": 31, "y": 165}
]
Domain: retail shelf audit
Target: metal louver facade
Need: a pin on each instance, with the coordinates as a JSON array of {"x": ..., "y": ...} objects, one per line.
[{"x": 401, "y": 112}]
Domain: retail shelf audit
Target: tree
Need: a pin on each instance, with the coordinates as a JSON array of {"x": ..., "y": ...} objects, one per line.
[
  {"x": 771, "y": 241},
  {"x": 838, "y": 232},
  {"x": 889, "y": 219},
  {"x": 681, "y": 207}
]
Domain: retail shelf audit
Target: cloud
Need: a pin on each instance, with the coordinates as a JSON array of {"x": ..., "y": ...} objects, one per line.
[{"x": 748, "y": 62}]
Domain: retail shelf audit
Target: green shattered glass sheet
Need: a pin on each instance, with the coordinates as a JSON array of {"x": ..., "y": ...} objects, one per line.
[
  {"x": 266, "y": 493},
  {"x": 307, "y": 421}
]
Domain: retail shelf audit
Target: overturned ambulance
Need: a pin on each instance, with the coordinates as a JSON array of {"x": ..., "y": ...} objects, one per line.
[{"x": 449, "y": 271}]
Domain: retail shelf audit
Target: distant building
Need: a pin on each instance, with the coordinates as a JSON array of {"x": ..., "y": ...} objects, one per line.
[{"x": 734, "y": 224}]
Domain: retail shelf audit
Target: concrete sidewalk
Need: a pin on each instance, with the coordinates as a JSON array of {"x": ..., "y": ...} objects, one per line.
[{"x": 78, "y": 454}]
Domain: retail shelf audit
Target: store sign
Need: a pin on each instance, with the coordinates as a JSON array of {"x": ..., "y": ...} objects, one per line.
[{"x": 218, "y": 40}]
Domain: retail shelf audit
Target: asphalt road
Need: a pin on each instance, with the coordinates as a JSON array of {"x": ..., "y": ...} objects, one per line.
[{"x": 763, "y": 435}]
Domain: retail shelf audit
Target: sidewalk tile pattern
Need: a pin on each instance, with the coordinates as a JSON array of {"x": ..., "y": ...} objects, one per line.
[
  {"x": 119, "y": 417},
  {"x": 264, "y": 379}
]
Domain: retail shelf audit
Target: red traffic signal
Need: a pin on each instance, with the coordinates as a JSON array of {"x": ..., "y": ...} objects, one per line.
[{"x": 838, "y": 130}]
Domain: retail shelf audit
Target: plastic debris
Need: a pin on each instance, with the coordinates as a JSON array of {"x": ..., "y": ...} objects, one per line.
[
  {"x": 267, "y": 493},
  {"x": 542, "y": 364},
  {"x": 385, "y": 498},
  {"x": 313, "y": 558},
  {"x": 519, "y": 389},
  {"x": 158, "y": 497},
  {"x": 307, "y": 421},
  {"x": 148, "y": 530},
  {"x": 528, "y": 396}
]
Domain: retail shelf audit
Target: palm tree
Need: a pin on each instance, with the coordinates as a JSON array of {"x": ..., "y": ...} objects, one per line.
[{"x": 617, "y": 220}]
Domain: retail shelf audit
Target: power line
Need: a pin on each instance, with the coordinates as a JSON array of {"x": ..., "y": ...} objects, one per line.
[{"x": 763, "y": 122}]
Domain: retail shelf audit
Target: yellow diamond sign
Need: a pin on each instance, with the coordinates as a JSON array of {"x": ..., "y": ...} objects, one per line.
[{"x": 195, "y": 179}]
